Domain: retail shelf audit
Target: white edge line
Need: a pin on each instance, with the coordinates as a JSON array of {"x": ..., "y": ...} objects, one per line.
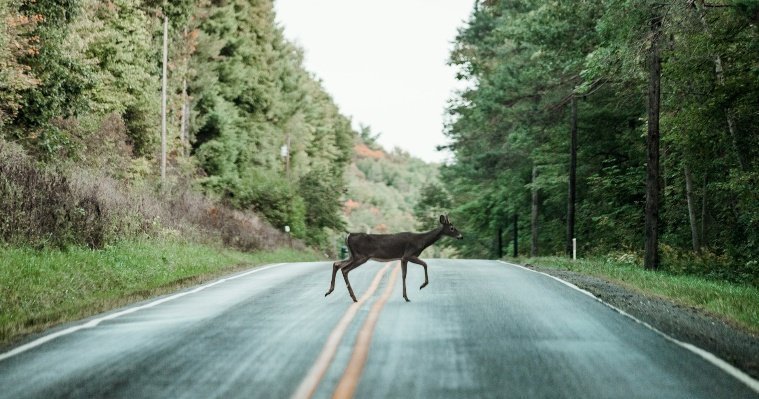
[
  {"x": 706, "y": 355},
  {"x": 94, "y": 322}
]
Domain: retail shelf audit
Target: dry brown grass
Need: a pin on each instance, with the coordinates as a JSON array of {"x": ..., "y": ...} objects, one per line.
[{"x": 47, "y": 207}]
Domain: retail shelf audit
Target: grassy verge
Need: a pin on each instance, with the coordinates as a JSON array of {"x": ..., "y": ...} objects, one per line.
[
  {"x": 736, "y": 303},
  {"x": 41, "y": 288}
]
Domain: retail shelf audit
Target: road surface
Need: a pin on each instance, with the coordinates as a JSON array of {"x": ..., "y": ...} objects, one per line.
[{"x": 480, "y": 329}]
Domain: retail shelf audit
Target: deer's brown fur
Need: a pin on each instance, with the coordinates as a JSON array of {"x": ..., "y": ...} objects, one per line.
[{"x": 405, "y": 247}]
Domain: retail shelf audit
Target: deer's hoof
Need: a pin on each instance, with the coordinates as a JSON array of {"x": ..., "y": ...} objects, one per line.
[
  {"x": 407, "y": 300},
  {"x": 423, "y": 285}
]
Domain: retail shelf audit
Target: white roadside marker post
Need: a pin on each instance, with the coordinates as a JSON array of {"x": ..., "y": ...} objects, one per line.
[{"x": 574, "y": 249}]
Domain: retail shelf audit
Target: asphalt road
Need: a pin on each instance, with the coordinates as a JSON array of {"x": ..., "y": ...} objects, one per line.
[{"x": 481, "y": 329}]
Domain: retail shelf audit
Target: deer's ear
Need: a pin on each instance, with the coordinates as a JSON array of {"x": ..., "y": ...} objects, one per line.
[
  {"x": 446, "y": 220},
  {"x": 442, "y": 219}
]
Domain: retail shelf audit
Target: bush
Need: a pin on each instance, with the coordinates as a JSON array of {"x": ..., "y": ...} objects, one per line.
[
  {"x": 708, "y": 264},
  {"x": 41, "y": 208},
  {"x": 45, "y": 207}
]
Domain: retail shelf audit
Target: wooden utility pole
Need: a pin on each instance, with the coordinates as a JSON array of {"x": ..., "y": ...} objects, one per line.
[
  {"x": 163, "y": 96},
  {"x": 651, "y": 257},
  {"x": 516, "y": 237},
  {"x": 499, "y": 243},
  {"x": 183, "y": 119},
  {"x": 284, "y": 152},
  {"x": 287, "y": 165},
  {"x": 571, "y": 195}
]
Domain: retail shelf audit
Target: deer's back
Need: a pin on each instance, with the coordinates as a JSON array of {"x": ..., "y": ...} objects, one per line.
[{"x": 381, "y": 246}]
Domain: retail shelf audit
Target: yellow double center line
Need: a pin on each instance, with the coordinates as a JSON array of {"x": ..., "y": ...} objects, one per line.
[{"x": 349, "y": 381}]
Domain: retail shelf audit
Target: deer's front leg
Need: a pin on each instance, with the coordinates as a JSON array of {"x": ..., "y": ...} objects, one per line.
[
  {"x": 418, "y": 261},
  {"x": 404, "y": 266},
  {"x": 335, "y": 267}
]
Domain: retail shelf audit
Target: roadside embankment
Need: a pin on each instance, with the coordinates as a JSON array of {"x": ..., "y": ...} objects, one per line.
[
  {"x": 718, "y": 316},
  {"x": 43, "y": 288}
]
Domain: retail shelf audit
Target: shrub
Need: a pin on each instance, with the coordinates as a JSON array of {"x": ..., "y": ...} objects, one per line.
[
  {"x": 48, "y": 207},
  {"x": 40, "y": 207}
]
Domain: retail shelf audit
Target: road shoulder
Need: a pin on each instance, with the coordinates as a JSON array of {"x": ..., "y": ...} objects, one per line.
[{"x": 685, "y": 323}]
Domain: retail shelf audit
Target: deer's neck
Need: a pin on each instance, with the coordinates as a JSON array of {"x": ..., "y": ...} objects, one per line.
[{"x": 431, "y": 236}]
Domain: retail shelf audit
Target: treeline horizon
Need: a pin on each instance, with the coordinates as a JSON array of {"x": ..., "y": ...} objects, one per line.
[{"x": 658, "y": 101}]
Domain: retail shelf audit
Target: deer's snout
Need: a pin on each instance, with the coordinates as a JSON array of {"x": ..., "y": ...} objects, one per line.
[{"x": 460, "y": 237}]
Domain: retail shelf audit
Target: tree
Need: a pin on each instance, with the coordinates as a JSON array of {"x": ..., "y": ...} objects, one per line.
[
  {"x": 526, "y": 60},
  {"x": 62, "y": 80},
  {"x": 651, "y": 258},
  {"x": 114, "y": 39},
  {"x": 15, "y": 43},
  {"x": 323, "y": 207},
  {"x": 251, "y": 95},
  {"x": 433, "y": 202}
]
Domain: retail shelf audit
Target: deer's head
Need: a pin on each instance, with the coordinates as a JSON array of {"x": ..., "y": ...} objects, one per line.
[{"x": 448, "y": 228}]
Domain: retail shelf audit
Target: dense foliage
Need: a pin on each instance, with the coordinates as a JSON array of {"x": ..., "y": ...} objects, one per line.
[
  {"x": 527, "y": 62},
  {"x": 383, "y": 187},
  {"x": 80, "y": 84}
]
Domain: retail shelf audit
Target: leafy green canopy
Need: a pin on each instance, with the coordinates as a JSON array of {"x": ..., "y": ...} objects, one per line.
[
  {"x": 252, "y": 97},
  {"x": 524, "y": 60},
  {"x": 81, "y": 83}
]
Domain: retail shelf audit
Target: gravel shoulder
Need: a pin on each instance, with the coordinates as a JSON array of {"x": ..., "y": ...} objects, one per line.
[{"x": 695, "y": 326}]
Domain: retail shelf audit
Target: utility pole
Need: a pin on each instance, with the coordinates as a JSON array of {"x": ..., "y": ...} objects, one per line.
[
  {"x": 183, "y": 119},
  {"x": 499, "y": 251},
  {"x": 284, "y": 151},
  {"x": 516, "y": 237},
  {"x": 572, "y": 192},
  {"x": 163, "y": 96},
  {"x": 287, "y": 165}
]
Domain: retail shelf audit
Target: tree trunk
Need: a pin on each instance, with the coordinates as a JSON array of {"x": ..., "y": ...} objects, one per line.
[
  {"x": 571, "y": 195},
  {"x": 534, "y": 216},
  {"x": 691, "y": 210},
  {"x": 651, "y": 258}
]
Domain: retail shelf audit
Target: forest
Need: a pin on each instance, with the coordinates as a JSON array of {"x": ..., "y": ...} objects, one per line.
[
  {"x": 628, "y": 125},
  {"x": 248, "y": 128},
  {"x": 631, "y": 126}
]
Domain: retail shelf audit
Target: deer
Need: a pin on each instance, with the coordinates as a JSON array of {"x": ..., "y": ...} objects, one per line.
[{"x": 405, "y": 247}]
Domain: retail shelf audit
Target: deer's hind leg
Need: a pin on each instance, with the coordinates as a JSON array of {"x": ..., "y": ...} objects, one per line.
[
  {"x": 346, "y": 269},
  {"x": 404, "y": 267},
  {"x": 414, "y": 259}
]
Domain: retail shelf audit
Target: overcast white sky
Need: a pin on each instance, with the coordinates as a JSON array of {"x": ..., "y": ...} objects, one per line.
[{"x": 384, "y": 62}]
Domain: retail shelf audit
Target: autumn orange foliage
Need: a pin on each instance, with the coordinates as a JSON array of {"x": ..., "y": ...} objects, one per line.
[
  {"x": 350, "y": 205},
  {"x": 363, "y": 151}
]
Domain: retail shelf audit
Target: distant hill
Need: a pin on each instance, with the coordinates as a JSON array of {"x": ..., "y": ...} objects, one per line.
[{"x": 383, "y": 188}]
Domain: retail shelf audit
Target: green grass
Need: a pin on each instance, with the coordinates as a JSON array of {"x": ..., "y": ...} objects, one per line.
[
  {"x": 42, "y": 288},
  {"x": 735, "y": 303}
]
